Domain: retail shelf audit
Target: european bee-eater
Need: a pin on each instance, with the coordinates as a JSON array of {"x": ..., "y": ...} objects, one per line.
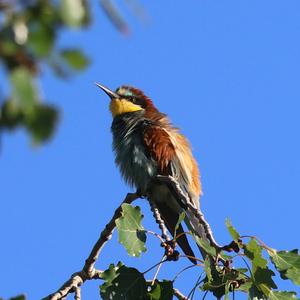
[{"x": 146, "y": 144}]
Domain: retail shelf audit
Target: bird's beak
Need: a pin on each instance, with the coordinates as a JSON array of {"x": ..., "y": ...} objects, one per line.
[{"x": 107, "y": 91}]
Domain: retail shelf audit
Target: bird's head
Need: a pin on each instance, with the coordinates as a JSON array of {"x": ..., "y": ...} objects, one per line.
[{"x": 127, "y": 99}]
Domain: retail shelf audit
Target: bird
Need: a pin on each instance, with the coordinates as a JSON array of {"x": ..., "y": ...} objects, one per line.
[{"x": 147, "y": 144}]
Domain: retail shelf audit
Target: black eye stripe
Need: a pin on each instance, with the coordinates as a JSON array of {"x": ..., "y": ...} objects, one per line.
[{"x": 136, "y": 100}]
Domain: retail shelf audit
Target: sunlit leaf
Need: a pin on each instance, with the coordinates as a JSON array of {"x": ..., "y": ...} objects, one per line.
[
  {"x": 131, "y": 232},
  {"x": 234, "y": 234},
  {"x": 204, "y": 244},
  {"x": 122, "y": 282},
  {"x": 294, "y": 275},
  {"x": 254, "y": 252},
  {"x": 287, "y": 263},
  {"x": 278, "y": 295}
]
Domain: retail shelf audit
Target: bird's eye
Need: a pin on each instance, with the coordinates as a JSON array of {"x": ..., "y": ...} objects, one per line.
[{"x": 133, "y": 100}]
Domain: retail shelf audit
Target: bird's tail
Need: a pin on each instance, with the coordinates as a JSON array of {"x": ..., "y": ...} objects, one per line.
[{"x": 196, "y": 228}]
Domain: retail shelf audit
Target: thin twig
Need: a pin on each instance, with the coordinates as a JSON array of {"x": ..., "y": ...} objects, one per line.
[
  {"x": 158, "y": 269},
  {"x": 155, "y": 234},
  {"x": 184, "y": 269},
  {"x": 88, "y": 271},
  {"x": 151, "y": 268}
]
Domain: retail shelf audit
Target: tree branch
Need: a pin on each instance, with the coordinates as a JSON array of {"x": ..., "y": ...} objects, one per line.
[
  {"x": 179, "y": 295},
  {"x": 88, "y": 271}
]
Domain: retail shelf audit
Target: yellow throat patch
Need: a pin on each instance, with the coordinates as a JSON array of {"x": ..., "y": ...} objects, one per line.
[{"x": 122, "y": 106}]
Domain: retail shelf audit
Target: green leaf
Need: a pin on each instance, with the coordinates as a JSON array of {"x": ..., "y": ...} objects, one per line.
[
  {"x": 263, "y": 281},
  {"x": 254, "y": 252},
  {"x": 24, "y": 91},
  {"x": 284, "y": 260},
  {"x": 40, "y": 121},
  {"x": 131, "y": 232},
  {"x": 205, "y": 245},
  {"x": 41, "y": 39},
  {"x": 294, "y": 275},
  {"x": 278, "y": 295},
  {"x": 287, "y": 263},
  {"x": 109, "y": 275},
  {"x": 122, "y": 282},
  {"x": 234, "y": 234},
  {"x": 180, "y": 219},
  {"x": 11, "y": 115},
  {"x": 74, "y": 13},
  {"x": 162, "y": 290},
  {"x": 75, "y": 59}
]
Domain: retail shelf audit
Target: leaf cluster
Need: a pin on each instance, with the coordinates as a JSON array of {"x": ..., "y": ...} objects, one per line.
[
  {"x": 29, "y": 33},
  {"x": 256, "y": 278}
]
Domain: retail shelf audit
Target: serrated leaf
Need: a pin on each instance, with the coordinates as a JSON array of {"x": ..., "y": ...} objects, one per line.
[
  {"x": 254, "y": 252},
  {"x": 162, "y": 290},
  {"x": 110, "y": 274},
  {"x": 24, "y": 91},
  {"x": 263, "y": 280},
  {"x": 233, "y": 232},
  {"x": 204, "y": 244},
  {"x": 180, "y": 219},
  {"x": 284, "y": 260},
  {"x": 287, "y": 263},
  {"x": 123, "y": 283},
  {"x": 75, "y": 59},
  {"x": 279, "y": 295},
  {"x": 131, "y": 232}
]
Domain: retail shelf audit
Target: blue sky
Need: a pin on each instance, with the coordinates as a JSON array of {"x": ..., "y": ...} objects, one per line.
[{"x": 226, "y": 72}]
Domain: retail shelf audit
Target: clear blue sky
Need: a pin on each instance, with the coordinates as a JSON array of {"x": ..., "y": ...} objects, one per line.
[{"x": 226, "y": 72}]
